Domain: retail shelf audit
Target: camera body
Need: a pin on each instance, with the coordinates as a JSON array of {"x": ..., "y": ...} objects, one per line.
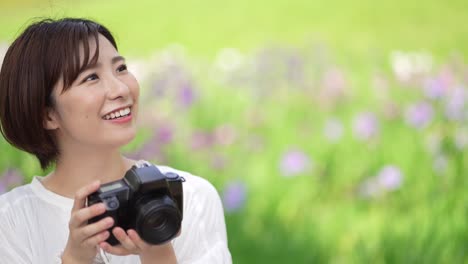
[{"x": 145, "y": 200}]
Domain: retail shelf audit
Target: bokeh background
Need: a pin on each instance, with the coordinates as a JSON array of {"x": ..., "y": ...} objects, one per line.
[{"x": 334, "y": 131}]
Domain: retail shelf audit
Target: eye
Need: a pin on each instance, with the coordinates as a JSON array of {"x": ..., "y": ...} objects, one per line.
[
  {"x": 122, "y": 68},
  {"x": 91, "y": 77}
]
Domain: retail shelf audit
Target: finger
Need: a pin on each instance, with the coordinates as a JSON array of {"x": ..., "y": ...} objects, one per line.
[
  {"x": 81, "y": 216},
  {"x": 124, "y": 240},
  {"x": 95, "y": 228},
  {"x": 136, "y": 239},
  {"x": 81, "y": 194},
  {"x": 114, "y": 250},
  {"x": 96, "y": 239}
]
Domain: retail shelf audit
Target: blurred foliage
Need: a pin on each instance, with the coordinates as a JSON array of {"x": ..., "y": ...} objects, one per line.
[
  {"x": 350, "y": 28},
  {"x": 335, "y": 132}
]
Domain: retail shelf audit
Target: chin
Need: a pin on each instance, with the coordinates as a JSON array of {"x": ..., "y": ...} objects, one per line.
[
  {"x": 123, "y": 140},
  {"x": 128, "y": 139}
]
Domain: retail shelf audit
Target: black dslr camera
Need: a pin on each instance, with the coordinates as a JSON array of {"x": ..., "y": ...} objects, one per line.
[{"x": 145, "y": 200}]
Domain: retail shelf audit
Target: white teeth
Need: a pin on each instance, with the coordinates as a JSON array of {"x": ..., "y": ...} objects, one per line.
[{"x": 118, "y": 113}]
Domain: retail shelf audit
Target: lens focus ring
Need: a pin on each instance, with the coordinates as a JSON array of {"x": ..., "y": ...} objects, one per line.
[{"x": 158, "y": 220}]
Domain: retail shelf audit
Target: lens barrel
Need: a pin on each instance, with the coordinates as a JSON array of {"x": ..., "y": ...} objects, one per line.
[{"x": 158, "y": 220}]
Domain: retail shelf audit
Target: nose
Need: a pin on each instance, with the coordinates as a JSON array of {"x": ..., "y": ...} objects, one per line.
[{"x": 116, "y": 88}]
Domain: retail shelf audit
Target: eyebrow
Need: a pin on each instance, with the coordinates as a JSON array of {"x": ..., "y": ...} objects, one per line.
[{"x": 98, "y": 65}]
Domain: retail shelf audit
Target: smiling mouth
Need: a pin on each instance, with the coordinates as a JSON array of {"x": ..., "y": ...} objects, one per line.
[{"x": 118, "y": 114}]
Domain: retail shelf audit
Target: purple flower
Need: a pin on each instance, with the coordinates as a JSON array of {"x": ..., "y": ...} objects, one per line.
[
  {"x": 389, "y": 178},
  {"x": 152, "y": 148},
  {"x": 148, "y": 151},
  {"x": 225, "y": 134},
  {"x": 294, "y": 162},
  {"x": 333, "y": 89},
  {"x": 333, "y": 130},
  {"x": 295, "y": 69},
  {"x": 437, "y": 87},
  {"x": 334, "y": 80},
  {"x": 186, "y": 94},
  {"x": 434, "y": 88},
  {"x": 365, "y": 126},
  {"x": 218, "y": 162},
  {"x": 234, "y": 196},
  {"x": 165, "y": 134},
  {"x": 201, "y": 140},
  {"x": 455, "y": 108},
  {"x": 160, "y": 86},
  {"x": 419, "y": 115}
]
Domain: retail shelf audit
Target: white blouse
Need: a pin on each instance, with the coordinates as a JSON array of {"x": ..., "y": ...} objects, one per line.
[{"x": 34, "y": 225}]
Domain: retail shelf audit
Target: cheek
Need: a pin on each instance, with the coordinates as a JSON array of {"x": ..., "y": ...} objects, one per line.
[
  {"x": 134, "y": 86},
  {"x": 82, "y": 106}
]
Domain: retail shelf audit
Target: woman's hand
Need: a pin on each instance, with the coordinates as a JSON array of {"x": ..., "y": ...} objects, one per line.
[
  {"x": 131, "y": 243},
  {"x": 83, "y": 239}
]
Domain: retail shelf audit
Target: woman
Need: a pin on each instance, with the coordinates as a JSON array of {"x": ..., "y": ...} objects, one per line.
[{"x": 67, "y": 97}]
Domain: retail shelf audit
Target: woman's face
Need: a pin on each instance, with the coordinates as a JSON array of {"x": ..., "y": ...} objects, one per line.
[{"x": 100, "y": 107}]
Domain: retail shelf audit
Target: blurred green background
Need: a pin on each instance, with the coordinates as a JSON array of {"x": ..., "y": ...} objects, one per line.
[{"x": 334, "y": 131}]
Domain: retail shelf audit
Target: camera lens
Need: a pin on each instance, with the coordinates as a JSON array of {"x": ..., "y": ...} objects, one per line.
[{"x": 158, "y": 220}]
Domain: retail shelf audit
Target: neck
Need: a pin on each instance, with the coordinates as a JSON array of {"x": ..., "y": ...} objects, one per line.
[{"x": 80, "y": 168}]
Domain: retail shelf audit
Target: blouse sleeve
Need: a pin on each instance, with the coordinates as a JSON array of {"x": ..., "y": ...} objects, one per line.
[
  {"x": 12, "y": 254},
  {"x": 203, "y": 229},
  {"x": 12, "y": 250}
]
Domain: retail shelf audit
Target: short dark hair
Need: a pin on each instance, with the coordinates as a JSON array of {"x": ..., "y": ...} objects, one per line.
[{"x": 43, "y": 53}]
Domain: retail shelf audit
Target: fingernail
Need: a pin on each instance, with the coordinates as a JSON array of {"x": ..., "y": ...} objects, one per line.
[{"x": 133, "y": 234}]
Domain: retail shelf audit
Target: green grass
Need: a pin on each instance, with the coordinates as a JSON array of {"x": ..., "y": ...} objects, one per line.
[
  {"x": 350, "y": 28},
  {"x": 318, "y": 216}
]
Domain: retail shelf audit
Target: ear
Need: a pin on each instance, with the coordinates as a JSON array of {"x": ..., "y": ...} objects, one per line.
[{"x": 51, "y": 119}]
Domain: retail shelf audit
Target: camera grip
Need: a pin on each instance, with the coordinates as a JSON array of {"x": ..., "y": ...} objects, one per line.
[{"x": 112, "y": 206}]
